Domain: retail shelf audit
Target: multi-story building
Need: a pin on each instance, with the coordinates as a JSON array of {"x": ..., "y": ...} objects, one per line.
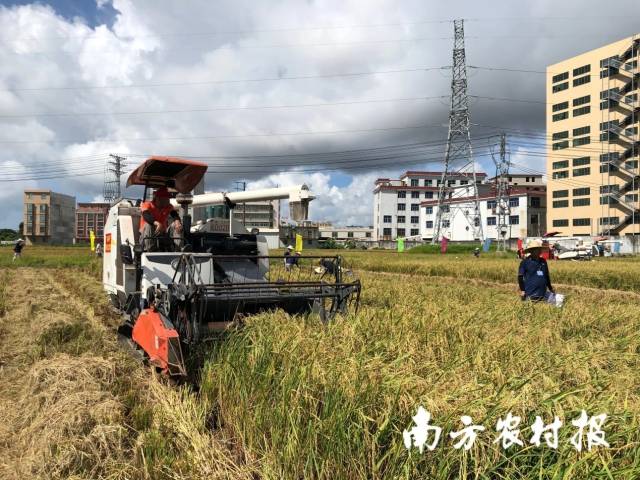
[
  {"x": 49, "y": 217},
  {"x": 526, "y": 215},
  {"x": 592, "y": 119},
  {"x": 90, "y": 216},
  {"x": 521, "y": 179},
  {"x": 396, "y": 203}
]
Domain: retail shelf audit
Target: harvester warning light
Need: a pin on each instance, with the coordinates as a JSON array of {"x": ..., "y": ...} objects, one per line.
[{"x": 107, "y": 243}]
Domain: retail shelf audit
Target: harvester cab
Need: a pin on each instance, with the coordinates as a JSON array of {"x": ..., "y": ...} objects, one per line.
[{"x": 174, "y": 294}]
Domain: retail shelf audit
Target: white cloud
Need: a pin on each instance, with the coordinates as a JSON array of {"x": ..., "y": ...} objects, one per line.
[{"x": 171, "y": 43}]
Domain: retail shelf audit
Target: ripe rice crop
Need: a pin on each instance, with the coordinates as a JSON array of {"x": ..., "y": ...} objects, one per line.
[{"x": 291, "y": 398}]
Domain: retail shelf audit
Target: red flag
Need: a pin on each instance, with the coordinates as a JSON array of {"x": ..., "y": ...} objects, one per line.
[{"x": 443, "y": 245}]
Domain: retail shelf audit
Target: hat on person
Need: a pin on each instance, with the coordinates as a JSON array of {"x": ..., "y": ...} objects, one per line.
[
  {"x": 161, "y": 192},
  {"x": 535, "y": 244},
  {"x": 20, "y": 240},
  {"x": 289, "y": 247}
]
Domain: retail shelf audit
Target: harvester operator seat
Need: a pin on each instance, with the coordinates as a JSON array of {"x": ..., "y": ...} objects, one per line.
[{"x": 160, "y": 225}]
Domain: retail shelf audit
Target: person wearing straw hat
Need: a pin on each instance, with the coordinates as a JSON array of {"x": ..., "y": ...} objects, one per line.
[
  {"x": 533, "y": 275},
  {"x": 289, "y": 259},
  {"x": 17, "y": 249}
]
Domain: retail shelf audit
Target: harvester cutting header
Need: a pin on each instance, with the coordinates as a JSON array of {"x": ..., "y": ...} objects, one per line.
[{"x": 174, "y": 282}]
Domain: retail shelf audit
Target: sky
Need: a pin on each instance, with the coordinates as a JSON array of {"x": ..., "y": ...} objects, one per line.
[{"x": 333, "y": 94}]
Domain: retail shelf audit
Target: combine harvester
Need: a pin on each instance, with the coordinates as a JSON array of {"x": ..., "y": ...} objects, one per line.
[{"x": 173, "y": 300}]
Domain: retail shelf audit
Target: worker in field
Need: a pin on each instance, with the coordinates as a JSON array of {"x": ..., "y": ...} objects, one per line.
[
  {"x": 533, "y": 275},
  {"x": 99, "y": 250},
  {"x": 17, "y": 249},
  {"x": 160, "y": 225},
  {"x": 289, "y": 258},
  {"x": 476, "y": 252}
]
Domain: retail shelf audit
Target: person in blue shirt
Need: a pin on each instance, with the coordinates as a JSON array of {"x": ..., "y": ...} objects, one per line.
[{"x": 533, "y": 275}]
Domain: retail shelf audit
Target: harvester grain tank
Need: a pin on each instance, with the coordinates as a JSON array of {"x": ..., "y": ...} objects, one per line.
[{"x": 173, "y": 300}]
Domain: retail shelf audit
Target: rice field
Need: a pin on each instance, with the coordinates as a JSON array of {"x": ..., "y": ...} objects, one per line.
[{"x": 291, "y": 398}]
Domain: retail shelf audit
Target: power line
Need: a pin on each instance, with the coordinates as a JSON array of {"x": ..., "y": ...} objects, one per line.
[
  {"x": 216, "y": 109},
  {"x": 225, "y": 81}
]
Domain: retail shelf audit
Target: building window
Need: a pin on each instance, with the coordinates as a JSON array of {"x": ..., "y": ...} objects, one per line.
[
  {"x": 560, "y": 87},
  {"x": 581, "y": 141},
  {"x": 514, "y": 202},
  {"x": 428, "y": 182},
  {"x": 415, "y": 232},
  {"x": 534, "y": 219},
  {"x": 428, "y": 194},
  {"x": 349, "y": 234},
  {"x": 581, "y": 191},
  {"x": 415, "y": 182},
  {"x": 560, "y": 116},
  {"x": 402, "y": 194},
  {"x": 428, "y": 210},
  {"x": 560, "y": 106},
  {"x": 535, "y": 202},
  {"x": 581, "y": 172},
  {"x": 491, "y": 204},
  {"x": 581, "y": 70},
  {"x": 43, "y": 196},
  {"x": 446, "y": 223},
  {"x": 581, "y": 111},
  {"x": 610, "y": 157},
  {"x": 581, "y": 100},
  {"x": 581, "y": 222},
  {"x": 560, "y": 164},
  {"x": 386, "y": 232},
  {"x": 367, "y": 234},
  {"x": 386, "y": 219},
  {"x": 581, "y": 81},
  {"x": 401, "y": 232},
  {"x": 578, "y": 162},
  {"x": 514, "y": 219},
  {"x": 608, "y": 220},
  {"x": 429, "y": 224},
  {"x": 402, "y": 207},
  {"x": 560, "y": 135},
  {"x": 561, "y": 145},
  {"x": 561, "y": 223},
  {"x": 415, "y": 207},
  {"x": 631, "y": 165},
  {"x": 401, "y": 219},
  {"x": 581, "y": 202},
  {"x": 560, "y": 77},
  {"x": 415, "y": 194},
  {"x": 464, "y": 182},
  {"x": 491, "y": 220},
  {"x": 451, "y": 183},
  {"x": 560, "y": 194},
  {"x": 581, "y": 131},
  {"x": 415, "y": 219},
  {"x": 560, "y": 203},
  {"x": 609, "y": 188},
  {"x": 335, "y": 234}
]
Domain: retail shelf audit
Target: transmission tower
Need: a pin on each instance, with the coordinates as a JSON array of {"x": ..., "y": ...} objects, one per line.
[
  {"x": 112, "y": 173},
  {"x": 502, "y": 188},
  {"x": 459, "y": 150}
]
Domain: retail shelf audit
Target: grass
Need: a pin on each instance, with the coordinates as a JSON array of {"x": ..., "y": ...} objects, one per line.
[{"x": 291, "y": 398}]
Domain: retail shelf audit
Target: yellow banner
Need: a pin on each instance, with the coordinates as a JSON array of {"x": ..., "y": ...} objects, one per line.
[
  {"x": 298, "y": 243},
  {"x": 92, "y": 240}
]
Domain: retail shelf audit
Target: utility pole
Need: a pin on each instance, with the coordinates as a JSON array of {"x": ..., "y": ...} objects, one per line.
[
  {"x": 502, "y": 188},
  {"x": 112, "y": 173},
  {"x": 459, "y": 150},
  {"x": 241, "y": 186}
]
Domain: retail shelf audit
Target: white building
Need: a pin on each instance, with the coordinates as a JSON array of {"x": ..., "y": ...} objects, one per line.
[
  {"x": 526, "y": 215},
  {"x": 396, "y": 203},
  {"x": 345, "y": 234},
  {"x": 522, "y": 179}
]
